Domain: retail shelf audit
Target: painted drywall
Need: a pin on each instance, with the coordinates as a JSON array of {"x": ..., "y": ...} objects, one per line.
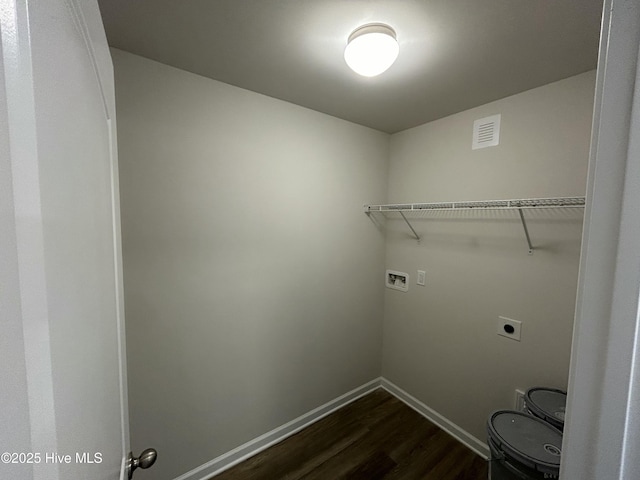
[
  {"x": 440, "y": 340},
  {"x": 252, "y": 276}
]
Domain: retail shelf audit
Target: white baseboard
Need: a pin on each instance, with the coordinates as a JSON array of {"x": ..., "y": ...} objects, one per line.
[
  {"x": 434, "y": 417},
  {"x": 257, "y": 445}
]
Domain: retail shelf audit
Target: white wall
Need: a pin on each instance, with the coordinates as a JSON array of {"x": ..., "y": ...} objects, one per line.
[
  {"x": 14, "y": 395},
  {"x": 440, "y": 341},
  {"x": 252, "y": 277}
]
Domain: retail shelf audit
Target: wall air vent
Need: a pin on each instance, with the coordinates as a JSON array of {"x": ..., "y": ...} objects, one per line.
[{"x": 486, "y": 132}]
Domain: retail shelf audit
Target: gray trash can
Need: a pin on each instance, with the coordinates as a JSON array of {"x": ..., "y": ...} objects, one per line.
[
  {"x": 549, "y": 404},
  {"x": 523, "y": 447}
]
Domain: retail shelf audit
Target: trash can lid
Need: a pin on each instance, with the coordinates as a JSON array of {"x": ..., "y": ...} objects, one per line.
[
  {"x": 548, "y": 404},
  {"x": 527, "y": 439}
]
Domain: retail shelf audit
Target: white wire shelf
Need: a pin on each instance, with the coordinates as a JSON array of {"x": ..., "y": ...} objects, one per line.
[
  {"x": 519, "y": 204},
  {"x": 522, "y": 203}
]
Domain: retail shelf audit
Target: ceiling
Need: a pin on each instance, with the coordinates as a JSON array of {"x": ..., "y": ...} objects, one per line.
[{"x": 454, "y": 54}]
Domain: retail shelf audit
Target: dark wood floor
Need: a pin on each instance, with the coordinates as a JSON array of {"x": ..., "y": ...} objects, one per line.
[{"x": 376, "y": 437}]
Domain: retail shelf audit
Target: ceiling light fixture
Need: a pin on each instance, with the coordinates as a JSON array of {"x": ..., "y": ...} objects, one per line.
[{"x": 371, "y": 49}]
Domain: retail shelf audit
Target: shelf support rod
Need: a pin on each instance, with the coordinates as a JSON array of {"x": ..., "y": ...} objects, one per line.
[
  {"x": 412, "y": 229},
  {"x": 526, "y": 231}
]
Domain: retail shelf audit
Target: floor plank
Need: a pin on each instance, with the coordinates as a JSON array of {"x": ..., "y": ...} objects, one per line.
[{"x": 377, "y": 437}]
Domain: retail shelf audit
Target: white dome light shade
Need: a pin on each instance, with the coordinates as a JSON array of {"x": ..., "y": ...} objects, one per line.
[{"x": 371, "y": 49}]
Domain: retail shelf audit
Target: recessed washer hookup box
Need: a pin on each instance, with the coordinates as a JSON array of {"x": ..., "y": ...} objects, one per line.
[{"x": 397, "y": 280}]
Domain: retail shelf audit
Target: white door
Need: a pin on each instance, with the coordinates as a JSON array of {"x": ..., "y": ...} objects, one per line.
[{"x": 64, "y": 411}]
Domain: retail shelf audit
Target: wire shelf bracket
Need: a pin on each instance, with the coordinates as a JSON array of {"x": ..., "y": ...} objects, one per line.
[
  {"x": 410, "y": 226},
  {"x": 515, "y": 204}
]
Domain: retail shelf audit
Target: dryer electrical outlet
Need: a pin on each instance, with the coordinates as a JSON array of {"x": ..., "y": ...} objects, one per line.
[{"x": 509, "y": 328}]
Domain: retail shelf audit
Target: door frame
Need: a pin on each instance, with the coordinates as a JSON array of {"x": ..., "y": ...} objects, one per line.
[{"x": 603, "y": 405}]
